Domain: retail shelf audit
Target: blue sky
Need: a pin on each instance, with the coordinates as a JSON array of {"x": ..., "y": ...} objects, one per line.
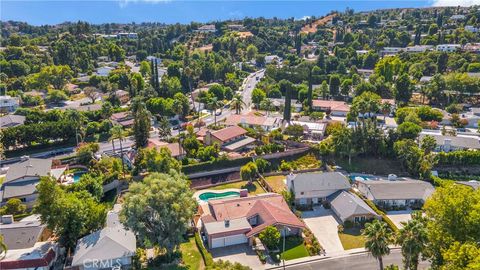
[{"x": 40, "y": 12}]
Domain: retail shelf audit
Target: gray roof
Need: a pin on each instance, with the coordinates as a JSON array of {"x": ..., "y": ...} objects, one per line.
[
  {"x": 105, "y": 244},
  {"x": 320, "y": 181},
  {"x": 11, "y": 120},
  {"x": 347, "y": 204},
  {"x": 30, "y": 167},
  {"x": 18, "y": 189},
  {"x": 473, "y": 183},
  {"x": 20, "y": 235},
  {"x": 456, "y": 141},
  {"x": 234, "y": 224},
  {"x": 400, "y": 189}
]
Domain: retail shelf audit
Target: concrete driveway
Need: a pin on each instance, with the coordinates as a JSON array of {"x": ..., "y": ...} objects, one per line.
[
  {"x": 242, "y": 254},
  {"x": 323, "y": 224},
  {"x": 399, "y": 216}
]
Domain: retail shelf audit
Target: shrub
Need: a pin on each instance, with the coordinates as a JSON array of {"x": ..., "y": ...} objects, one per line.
[
  {"x": 340, "y": 228},
  {"x": 270, "y": 237},
  {"x": 207, "y": 257}
]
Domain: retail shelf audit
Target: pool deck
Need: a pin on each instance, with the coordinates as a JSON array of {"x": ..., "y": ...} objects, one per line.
[{"x": 196, "y": 195}]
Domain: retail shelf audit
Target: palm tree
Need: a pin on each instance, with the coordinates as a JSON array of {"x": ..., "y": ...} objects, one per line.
[
  {"x": 214, "y": 105},
  {"x": 267, "y": 105},
  {"x": 237, "y": 103},
  {"x": 413, "y": 239},
  {"x": 377, "y": 237},
  {"x": 386, "y": 108},
  {"x": 78, "y": 121},
  {"x": 117, "y": 133}
]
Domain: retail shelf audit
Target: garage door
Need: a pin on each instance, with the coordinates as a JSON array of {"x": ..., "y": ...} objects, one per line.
[{"x": 229, "y": 240}]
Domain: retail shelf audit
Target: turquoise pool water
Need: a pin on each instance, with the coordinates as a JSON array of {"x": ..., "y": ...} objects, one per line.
[
  {"x": 213, "y": 195},
  {"x": 77, "y": 175},
  {"x": 365, "y": 177}
]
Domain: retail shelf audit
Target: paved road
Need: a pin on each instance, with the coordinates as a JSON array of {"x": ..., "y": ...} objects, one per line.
[
  {"x": 362, "y": 261},
  {"x": 248, "y": 87},
  {"x": 246, "y": 92}
]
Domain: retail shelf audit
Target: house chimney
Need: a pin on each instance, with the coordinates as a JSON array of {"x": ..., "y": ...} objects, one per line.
[
  {"x": 447, "y": 144},
  {"x": 290, "y": 178}
]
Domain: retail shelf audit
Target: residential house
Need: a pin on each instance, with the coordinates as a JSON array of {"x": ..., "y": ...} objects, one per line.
[
  {"x": 474, "y": 184},
  {"x": 123, "y": 96},
  {"x": 452, "y": 143},
  {"x": 314, "y": 188},
  {"x": 235, "y": 27},
  {"x": 273, "y": 59},
  {"x": 472, "y": 47},
  {"x": 155, "y": 59},
  {"x": 349, "y": 207},
  {"x": 387, "y": 51},
  {"x": 104, "y": 71},
  {"x": 125, "y": 119},
  {"x": 231, "y": 138},
  {"x": 448, "y": 47},
  {"x": 279, "y": 104},
  {"x": 111, "y": 247},
  {"x": 208, "y": 28},
  {"x": 395, "y": 193},
  {"x": 419, "y": 48},
  {"x": 22, "y": 178},
  {"x": 312, "y": 130},
  {"x": 471, "y": 28},
  {"x": 252, "y": 121},
  {"x": 366, "y": 73},
  {"x": 127, "y": 35},
  {"x": 175, "y": 148},
  {"x": 233, "y": 221},
  {"x": 9, "y": 104},
  {"x": 11, "y": 120},
  {"x": 27, "y": 244},
  {"x": 336, "y": 108},
  {"x": 457, "y": 17}
]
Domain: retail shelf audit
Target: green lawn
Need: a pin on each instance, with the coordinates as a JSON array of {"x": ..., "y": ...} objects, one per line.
[
  {"x": 192, "y": 259},
  {"x": 276, "y": 182},
  {"x": 294, "y": 249},
  {"x": 253, "y": 189},
  {"x": 352, "y": 238},
  {"x": 371, "y": 166}
]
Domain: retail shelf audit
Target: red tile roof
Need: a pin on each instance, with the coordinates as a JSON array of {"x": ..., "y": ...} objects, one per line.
[
  {"x": 228, "y": 133},
  {"x": 272, "y": 209},
  {"x": 332, "y": 104},
  {"x": 175, "y": 149}
]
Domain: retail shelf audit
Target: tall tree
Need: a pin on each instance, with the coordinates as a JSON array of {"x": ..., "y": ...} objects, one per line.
[
  {"x": 159, "y": 209},
  {"x": 310, "y": 90},
  {"x": 412, "y": 237},
  {"x": 117, "y": 133},
  {"x": 377, "y": 238},
  {"x": 237, "y": 103},
  {"x": 214, "y": 105},
  {"x": 141, "y": 124},
  {"x": 286, "y": 87}
]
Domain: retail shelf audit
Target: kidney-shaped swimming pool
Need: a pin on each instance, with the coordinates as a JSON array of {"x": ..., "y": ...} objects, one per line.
[{"x": 209, "y": 195}]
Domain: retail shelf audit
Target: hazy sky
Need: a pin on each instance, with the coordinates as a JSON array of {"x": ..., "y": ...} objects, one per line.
[{"x": 39, "y": 12}]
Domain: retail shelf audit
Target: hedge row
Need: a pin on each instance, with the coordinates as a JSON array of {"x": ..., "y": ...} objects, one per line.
[
  {"x": 459, "y": 158},
  {"x": 207, "y": 257},
  {"x": 215, "y": 165}
]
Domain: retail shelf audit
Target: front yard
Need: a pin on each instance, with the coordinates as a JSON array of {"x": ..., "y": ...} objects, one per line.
[
  {"x": 253, "y": 189},
  {"x": 191, "y": 257},
  {"x": 294, "y": 249},
  {"x": 277, "y": 182},
  {"x": 352, "y": 238}
]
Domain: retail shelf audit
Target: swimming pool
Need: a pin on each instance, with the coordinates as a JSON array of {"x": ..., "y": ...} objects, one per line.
[
  {"x": 206, "y": 196},
  {"x": 77, "y": 175},
  {"x": 364, "y": 177}
]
